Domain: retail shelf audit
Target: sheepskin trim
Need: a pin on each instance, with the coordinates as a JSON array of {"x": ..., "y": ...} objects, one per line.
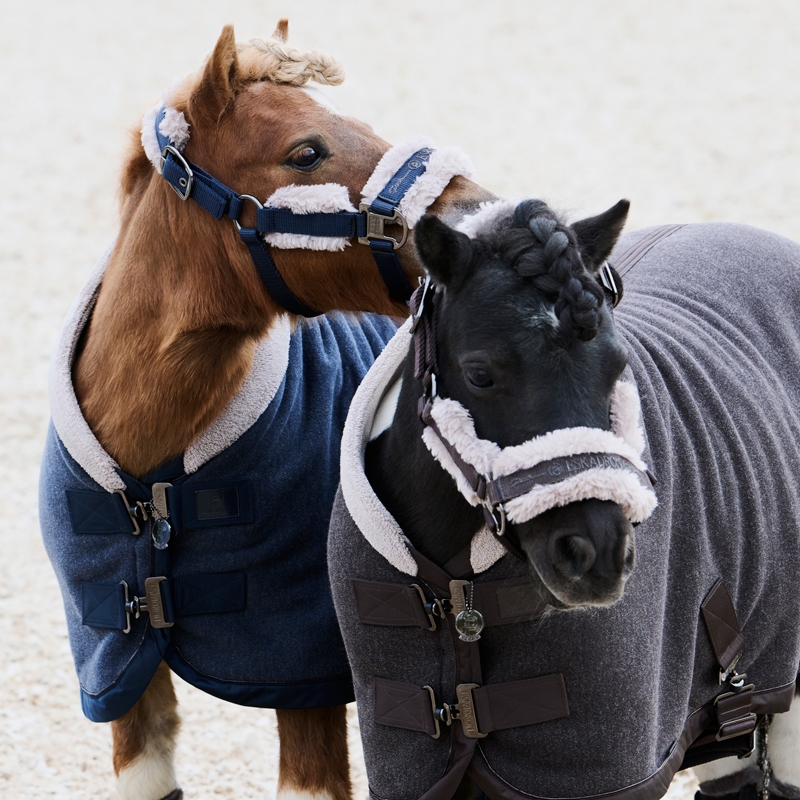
[
  {"x": 485, "y": 550},
  {"x": 636, "y": 501},
  {"x": 324, "y": 197},
  {"x": 456, "y": 425},
  {"x": 68, "y": 420},
  {"x": 174, "y": 126},
  {"x": 384, "y": 416},
  {"x": 443, "y": 165},
  {"x": 489, "y": 211},
  {"x": 249, "y": 403},
  {"x": 626, "y": 415},
  {"x": 564, "y": 442},
  {"x": 371, "y": 517},
  {"x": 149, "y": 138}
]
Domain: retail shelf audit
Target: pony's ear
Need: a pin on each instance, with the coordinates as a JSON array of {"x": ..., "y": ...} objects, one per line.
[
  {"x": 219, "y": 82},
  {"x": 444, "y": 251},
  {"x": 281, "y": 30},
  {"x": 598, "y": 235}
]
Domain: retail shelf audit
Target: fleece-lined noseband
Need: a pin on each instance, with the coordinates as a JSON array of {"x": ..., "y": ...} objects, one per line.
[
  {"x": 299, "y": 216},
  {"x": 560, "y": 467}
]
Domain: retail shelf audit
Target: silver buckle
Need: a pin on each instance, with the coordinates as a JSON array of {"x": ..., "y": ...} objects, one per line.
[
  {"x": 376, "y": 223},
  {"x": 608, "y": 282},
  {"x": 186, "y": 182}
]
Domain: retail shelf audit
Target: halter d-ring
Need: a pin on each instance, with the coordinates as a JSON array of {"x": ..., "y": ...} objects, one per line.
[
  {"x": 498, "y": 528},
  {"x": 254, "y": 200}
]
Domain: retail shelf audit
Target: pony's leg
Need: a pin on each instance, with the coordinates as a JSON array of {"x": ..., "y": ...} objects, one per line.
[
  {"x": 728, "y": 776},
  {"x": 783, "y": 750},
  {"x": 144, "y": 743},
  {"x": 314, "y": 764}
]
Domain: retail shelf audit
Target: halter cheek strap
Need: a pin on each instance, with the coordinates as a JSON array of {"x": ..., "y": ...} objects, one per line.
[{"x": 367, "y": 224}]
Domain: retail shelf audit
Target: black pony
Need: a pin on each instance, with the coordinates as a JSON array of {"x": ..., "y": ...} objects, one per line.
[
  {"x": 526, "y": 343},
  {"x": 495, "y": 466}
]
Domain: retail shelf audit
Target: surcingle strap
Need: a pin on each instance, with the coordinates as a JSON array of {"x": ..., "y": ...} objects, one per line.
[
  {"x": 734, "y": 716},
  {"x": 480, "y": 709},
  {"x": 722, "y": 626}
]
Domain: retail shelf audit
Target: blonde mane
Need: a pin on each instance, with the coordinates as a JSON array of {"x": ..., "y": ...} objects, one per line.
[
  {"x": 273, "y": 60},
  {"x": 266, "y": 60}
]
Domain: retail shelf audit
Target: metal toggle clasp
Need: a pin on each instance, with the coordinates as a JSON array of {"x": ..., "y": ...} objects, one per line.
[
  {"x": 376, "y": 224},
  {"x": 434, "y": 608},
  {"x": 152, "y": 604},
  {"x": 463, "y": 711}
]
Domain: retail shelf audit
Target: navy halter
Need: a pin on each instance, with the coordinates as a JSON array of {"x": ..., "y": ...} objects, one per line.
[{"x": 367, "y": 224}]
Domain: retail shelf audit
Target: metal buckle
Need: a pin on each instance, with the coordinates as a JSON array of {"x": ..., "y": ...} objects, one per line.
[
  {"x": 497, "y": 528},
  {"x": 418, "y": 316},
  {"x": 376, "y": 223},
  {"x": 154, "y": 605},
  {"x": 432, "y": 609},
  {"x": 186, "y": 182},
  {"x": 132, "y": 512},
  {"x": 253, "y": 200},
  {"x": 607, "y": 282},
  {"x": 466, "y": 711},
  {"x": 463, "y": 711},
  {"x": 731, "y": 673}
]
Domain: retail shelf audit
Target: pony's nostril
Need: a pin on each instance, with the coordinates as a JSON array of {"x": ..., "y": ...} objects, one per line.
[{"x": 573, "y": 556}]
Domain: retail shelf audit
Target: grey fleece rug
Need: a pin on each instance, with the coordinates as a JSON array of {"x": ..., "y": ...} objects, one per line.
[{"x": 710, "y": 318}]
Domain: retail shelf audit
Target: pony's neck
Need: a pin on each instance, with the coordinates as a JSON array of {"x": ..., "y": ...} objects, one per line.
[
  {"x": 174, "y": 331},
  {"x": 416, "y": 491}
]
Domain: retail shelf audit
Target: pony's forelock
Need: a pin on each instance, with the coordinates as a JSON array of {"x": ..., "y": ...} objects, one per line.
[{"x": 537, "y": 244}]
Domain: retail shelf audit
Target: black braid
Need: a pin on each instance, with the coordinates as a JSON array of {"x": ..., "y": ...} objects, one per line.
[{"x": 551, "y": 258}]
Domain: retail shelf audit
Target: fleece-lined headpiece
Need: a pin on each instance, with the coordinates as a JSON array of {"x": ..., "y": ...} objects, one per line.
[{"x": 577, "y": 463}]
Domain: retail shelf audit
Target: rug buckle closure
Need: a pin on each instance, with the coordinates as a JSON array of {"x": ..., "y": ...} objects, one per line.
[
  {"x": 376, "y": 227},
  {"x": 734, "y": 709},
  {"x": 432, "y": 608},
  {"x": 463, "y": 711},
  {"x": 152, "y": 603}
]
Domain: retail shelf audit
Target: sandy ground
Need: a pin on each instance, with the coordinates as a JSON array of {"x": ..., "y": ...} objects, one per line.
[{"x": 690, "y": 109}]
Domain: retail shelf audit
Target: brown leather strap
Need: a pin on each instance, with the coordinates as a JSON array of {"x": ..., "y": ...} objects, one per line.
[
  {"x": 396, "y": 605},
  {"x": 401, "y": 705},
  {"x": 629, "y": 258},
  {"x": 389, "y": 604},
  {"x": 511, "y": 705},
  {"x": 722, "y": 626},
  {"x": 480, "y": 709}
]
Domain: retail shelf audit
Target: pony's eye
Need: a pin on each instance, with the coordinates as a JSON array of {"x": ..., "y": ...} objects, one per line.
[
  {"x": 478, "y": 378},
  {"x": 307, "y": 157}
]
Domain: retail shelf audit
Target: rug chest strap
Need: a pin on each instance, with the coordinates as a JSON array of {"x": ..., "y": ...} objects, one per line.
[
  {"x": 112, "y": 605},
  {"x": 480, "y": 709},
  {"x": 407, "y": 605}
]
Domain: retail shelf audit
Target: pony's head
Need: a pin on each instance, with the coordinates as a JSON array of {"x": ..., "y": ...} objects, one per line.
[
  {"x": 250, "y": 119},
  {"x": 527, "y": 346}
]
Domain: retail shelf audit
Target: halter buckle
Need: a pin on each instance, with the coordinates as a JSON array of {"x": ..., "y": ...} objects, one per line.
[
  {"x": 376, "y": 223},
  {"x": 187, "y": 182}
]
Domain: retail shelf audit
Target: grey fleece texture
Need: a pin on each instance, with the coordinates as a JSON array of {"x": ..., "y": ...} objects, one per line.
[{"x": 710, "y": 318}]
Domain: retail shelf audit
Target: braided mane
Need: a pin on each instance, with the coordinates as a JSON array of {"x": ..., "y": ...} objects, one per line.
[
  {"x": 539, "y": 246},
  {"x": 273, "y": 60}
]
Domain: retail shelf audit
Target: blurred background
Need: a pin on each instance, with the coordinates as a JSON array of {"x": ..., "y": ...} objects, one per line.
[{"x": 690, "y": 109}]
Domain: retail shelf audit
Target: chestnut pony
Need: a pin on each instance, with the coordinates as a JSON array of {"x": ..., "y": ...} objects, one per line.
[{"x": 180, "y": 300}]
